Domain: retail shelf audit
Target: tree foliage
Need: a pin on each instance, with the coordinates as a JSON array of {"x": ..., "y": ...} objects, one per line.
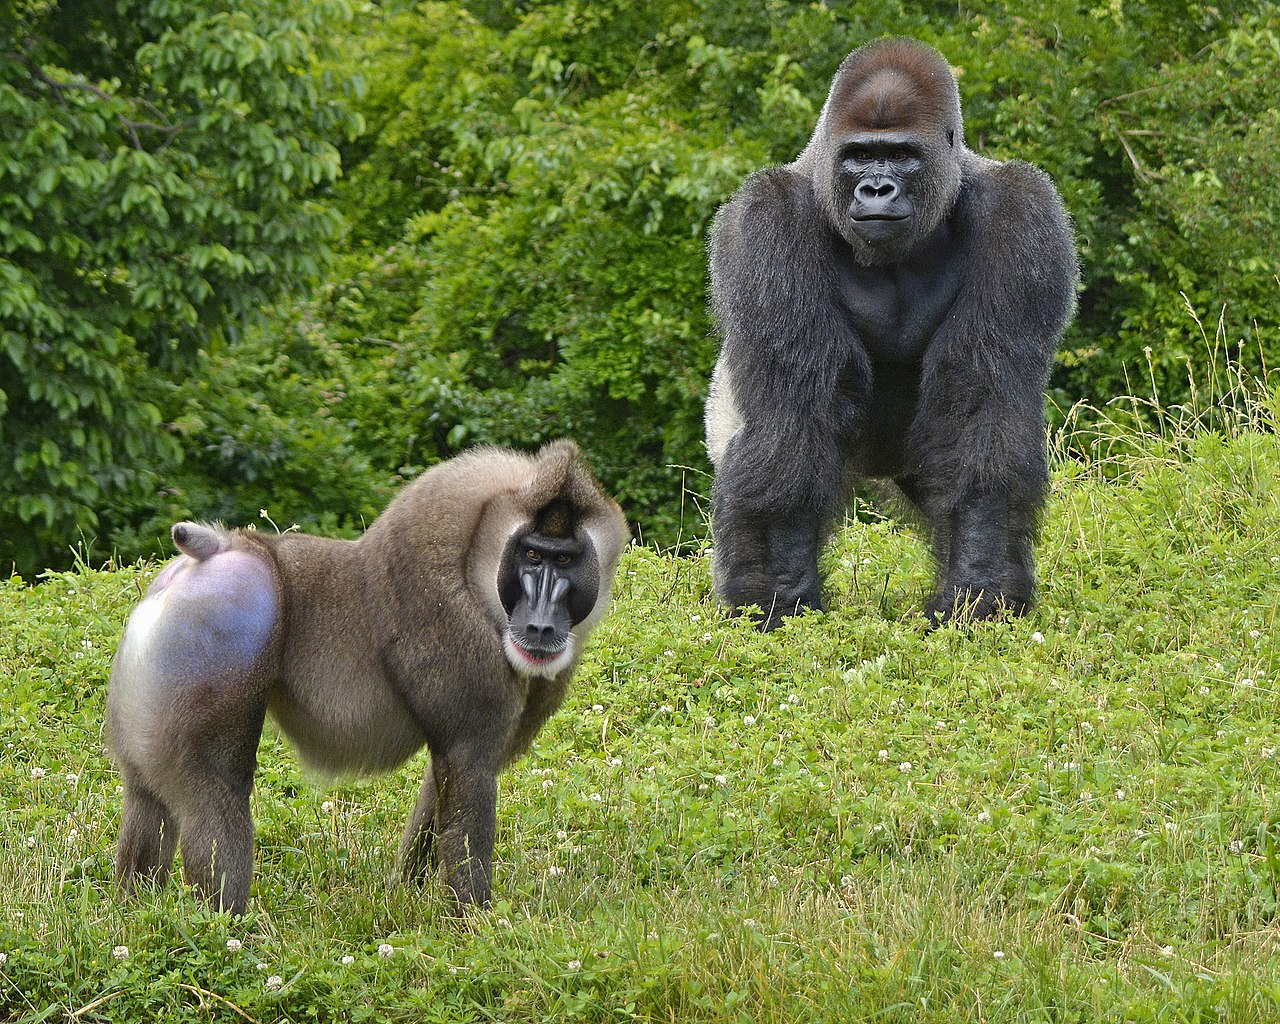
[
  {"x": 540, "y": 186},
  {"x": 159, "y": 163},
  {"x": 527, "y": 214}
]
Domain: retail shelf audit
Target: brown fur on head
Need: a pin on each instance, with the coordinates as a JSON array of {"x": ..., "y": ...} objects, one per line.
[{"x": 895, "y": 84}]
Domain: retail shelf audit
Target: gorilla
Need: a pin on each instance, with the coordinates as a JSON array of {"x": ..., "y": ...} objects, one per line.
[{"x": 889, "y": 304}]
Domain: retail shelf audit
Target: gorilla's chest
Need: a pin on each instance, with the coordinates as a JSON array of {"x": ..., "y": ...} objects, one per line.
[{"x": 898, "y": 309}]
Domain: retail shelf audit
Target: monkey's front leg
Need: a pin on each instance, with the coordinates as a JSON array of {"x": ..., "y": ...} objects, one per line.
[
  {"x": 418, "y": 853},
  {"x": 467, "y": 820}
]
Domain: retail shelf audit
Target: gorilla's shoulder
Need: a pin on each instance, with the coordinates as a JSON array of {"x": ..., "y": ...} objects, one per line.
[
  {"x": 1020, "y": 198},
  {"x": 771, "y": 201},
  {"x": 1006, "y": 189}
]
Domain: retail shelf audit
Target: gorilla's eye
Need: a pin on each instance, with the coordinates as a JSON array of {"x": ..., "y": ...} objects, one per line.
[
  {"x": 900, "y": 156},
  {"x": 860, "y": 154},
  {"x": 563, "y": 559},
  {"x": 533, "y": 556}
]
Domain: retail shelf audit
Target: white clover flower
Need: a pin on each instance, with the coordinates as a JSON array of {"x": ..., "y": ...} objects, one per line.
[
  {"x": 326, "y": 807},
  {"x": 233, "y": 945},
  {"x": 120, "y": 952},
  {"x": 1037, "y": 637},
  {"x": 72, "y": 778},
  {"x": 665, "y": 709},
  {"x": 750, "y": 922},
  {"x": 574, "y": 965},
  {"x": 595, "y": 798},
  {"x": 348, "y": 960},
  {"x": 1268, "y": 752},
  {"x": 1203, "y": 691},
  {"x": 1119, "y": 794},
  {"x": 385, "y": 950},
  {"x": 707, "y": 638},
  {"x": 1246, "y": 682},
  {"x": 668, "y": 653},
  {"x": 597, "y": 708},
  {"x": 73, "y": 835},
  {"x": 721, "y": 780},
  {"x": 846, "y": 881},
  {"x": 905, "y": 767},
  {"x": 555, "y": 871},
  {"x": 784, "y": 706},
  {"x": 4, "y": 959},
  {"x": 275, "y": 983},
  {"x": 906, "y": 850},
  {"x": 37, "y": 773},
  {"x": 882, "y": 756},
  {"x": 562, "y": 835},
  {"x": 1171, "y": 826},
  {"x": 1236, "y": 846},
  {"x": 615, "y": 762},
  {"x": 748, "y": 720},
  {"x": 547, "y": 783},
  {"x": 771, "y": 881},
  {"x": 1085, "y": 796},
  {"x": 998, "y": 954},
  {"x": 984, "y": 817}
]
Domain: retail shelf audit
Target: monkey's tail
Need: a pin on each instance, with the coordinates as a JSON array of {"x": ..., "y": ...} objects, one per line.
[{"x": 200, "y": 540}]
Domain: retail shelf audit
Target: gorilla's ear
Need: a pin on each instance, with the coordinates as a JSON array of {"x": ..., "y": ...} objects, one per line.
[{"x": 951, "y": 137}]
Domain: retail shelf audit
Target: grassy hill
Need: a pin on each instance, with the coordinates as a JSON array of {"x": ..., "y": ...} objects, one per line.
[{"x": 1071, "y": 817}]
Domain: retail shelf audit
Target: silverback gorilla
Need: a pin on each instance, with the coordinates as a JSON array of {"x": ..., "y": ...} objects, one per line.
[{"x": 889, "y": 303}]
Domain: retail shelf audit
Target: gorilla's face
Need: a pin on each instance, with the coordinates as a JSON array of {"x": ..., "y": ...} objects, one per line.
[{"x": 876, "y": 180}]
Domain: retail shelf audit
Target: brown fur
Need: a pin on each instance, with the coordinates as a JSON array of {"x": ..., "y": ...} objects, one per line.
[{"x": 363, "y": 651}]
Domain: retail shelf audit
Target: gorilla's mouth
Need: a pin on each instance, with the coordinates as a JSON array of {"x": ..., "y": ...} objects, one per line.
[{"x": 868, "y": 217}]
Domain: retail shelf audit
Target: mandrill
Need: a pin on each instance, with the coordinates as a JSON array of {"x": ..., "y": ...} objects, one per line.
[{"x": 455, "y": 622}]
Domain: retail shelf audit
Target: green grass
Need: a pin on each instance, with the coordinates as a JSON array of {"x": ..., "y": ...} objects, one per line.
[{"x": 1071, "y": 817}]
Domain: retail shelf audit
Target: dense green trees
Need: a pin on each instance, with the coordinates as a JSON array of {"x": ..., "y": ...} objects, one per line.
[
  {"x": 157, "y": 161},
  {"x": 526, "y": 219}
]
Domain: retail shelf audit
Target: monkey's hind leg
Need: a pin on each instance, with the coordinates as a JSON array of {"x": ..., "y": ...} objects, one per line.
[
  {"x": 217, "y": 843},
  {"x": 148, "y": 839},
  {"x": 418, "y": 854}
]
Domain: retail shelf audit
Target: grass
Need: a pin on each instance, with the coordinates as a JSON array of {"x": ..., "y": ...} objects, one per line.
[{"x": 1070, "y": 817}]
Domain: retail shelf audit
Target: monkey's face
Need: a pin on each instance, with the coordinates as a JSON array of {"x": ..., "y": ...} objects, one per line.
[{"x": 547, "y": 586}]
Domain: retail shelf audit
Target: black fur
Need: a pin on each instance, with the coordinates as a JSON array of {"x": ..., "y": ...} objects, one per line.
[{"x": 857, "y": 344}]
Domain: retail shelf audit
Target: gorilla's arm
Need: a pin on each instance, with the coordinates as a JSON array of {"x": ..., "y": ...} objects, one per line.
[
  {"x": 799, "y": 377},
  {"x": 981, "y": 466}
]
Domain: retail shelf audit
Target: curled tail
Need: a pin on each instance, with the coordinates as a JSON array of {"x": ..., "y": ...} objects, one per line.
[{"x": 200, "y": 540}]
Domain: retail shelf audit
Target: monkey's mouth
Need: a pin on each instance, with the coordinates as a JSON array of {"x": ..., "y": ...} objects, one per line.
[{"x": 535, "y": 660}]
